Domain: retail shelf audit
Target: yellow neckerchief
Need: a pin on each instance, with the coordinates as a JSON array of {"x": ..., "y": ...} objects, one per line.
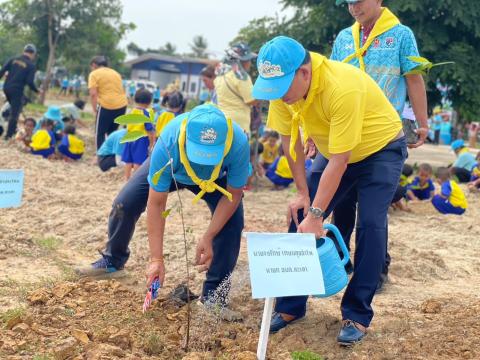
[
  {"x": 299, "y": 110},
  {"x": 385, "y": 22},
  {"x": 205, "y": 185},
  {"x": 463, "y": 151}
]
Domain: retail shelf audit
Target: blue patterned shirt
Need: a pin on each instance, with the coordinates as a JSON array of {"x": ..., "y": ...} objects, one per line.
[{"x": 386, "y": 60}]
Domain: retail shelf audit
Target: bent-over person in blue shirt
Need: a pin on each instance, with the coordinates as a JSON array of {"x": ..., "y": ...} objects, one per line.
[{"x": 209, "y": 155}]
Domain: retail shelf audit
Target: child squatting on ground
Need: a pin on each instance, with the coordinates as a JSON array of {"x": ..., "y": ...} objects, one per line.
[
  {"x": 421, "y": 188},
  {"x": 71, "y": 147},
  {"x": 270, "y": 149},
  {"x": 279, "y": 172},
  {"x": 465, "y": 162},
  {"x": 43, "y": 141},
  {"x": 110, "y": 153},
  {"x": 24, "y": 136},
  {"x": 450, "y": 199},
  {"x": 136, "y": 152}
]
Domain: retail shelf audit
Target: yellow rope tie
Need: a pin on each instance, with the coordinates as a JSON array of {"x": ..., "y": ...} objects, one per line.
[{"x": 206, "y": 186}]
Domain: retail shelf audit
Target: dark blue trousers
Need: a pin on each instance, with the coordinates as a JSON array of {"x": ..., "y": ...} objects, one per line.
[
  {"x": 374, "y": 180},
  {"x": 131, "y": 202}
]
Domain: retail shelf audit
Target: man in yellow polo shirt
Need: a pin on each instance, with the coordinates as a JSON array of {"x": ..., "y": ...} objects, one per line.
[
  {"x": 358, "y": 131},
  {"x": 108, "y": 98}
]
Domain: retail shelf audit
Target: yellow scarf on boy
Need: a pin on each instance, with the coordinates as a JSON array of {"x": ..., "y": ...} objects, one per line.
[
  {"x": 386, "y": 22},
  {"x": 205, "y": 185}
]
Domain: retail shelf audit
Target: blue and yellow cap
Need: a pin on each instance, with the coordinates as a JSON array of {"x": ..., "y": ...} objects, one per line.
[
  {"x": 277, "y": 62},
  {"x": 206, "y": 134}
]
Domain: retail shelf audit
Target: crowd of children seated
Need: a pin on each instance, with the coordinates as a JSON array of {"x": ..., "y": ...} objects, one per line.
[
  {"x": 447, "y": 197},
  {"x": 53, "y": 136}
]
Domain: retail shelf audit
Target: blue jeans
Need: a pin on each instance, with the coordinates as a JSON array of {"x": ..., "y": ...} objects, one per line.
[
  {"x": 131, "y": 202},
  {"x": 374, "y": 181}
]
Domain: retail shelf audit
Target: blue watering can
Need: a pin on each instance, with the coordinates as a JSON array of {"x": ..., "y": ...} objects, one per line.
[{"x": 334, "y": 275}]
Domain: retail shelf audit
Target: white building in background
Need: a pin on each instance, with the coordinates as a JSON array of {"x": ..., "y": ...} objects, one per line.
[{"x": 164, "y": 69}]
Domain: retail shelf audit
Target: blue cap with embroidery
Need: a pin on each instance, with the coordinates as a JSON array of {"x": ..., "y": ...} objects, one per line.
[
  {"x": 206, "y": 134},
  {"x": 457, "y": 144},
  {"x": 277, "y": 63}
]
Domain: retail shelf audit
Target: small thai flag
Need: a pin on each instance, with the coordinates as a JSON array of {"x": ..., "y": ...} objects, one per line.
[{"x": 152, "y": 294}]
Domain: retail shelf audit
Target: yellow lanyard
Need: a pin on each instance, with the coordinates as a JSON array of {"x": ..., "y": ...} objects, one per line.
[
  {"x": 386, "y": 21},
  {"x": 205, "y": 185}
]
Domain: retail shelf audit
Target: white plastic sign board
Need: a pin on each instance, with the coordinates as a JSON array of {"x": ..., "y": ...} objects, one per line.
[
  {"x": 11, "y": 188},
  {"x": 284, "y": 265}
]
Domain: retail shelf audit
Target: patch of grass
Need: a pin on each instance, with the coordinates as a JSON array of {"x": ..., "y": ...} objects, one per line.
[
  {"x": 86, "y": 116},
  {"x": 41, "y": 357},
  {"x": 69, "y": 312},
  {"x": 49, "y": 243},
  {"x": 37, "y": 108},
  {"x": 12, "y": 313},
  {"x": 306, "y": 355},
  {"x": 153, "y": 344}
]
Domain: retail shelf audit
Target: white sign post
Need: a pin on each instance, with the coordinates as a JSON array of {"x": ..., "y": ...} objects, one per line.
[
  {"x": 281, "y": 265},
  {"x": 11, "y": 188}
]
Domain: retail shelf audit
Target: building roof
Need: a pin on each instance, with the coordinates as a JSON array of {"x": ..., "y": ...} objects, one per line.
[{"x": 173, "y": 59}]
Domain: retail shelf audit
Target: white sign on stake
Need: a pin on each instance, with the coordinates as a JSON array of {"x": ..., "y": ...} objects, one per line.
[
  {"x": 11, "y": 188},
  {"x": 281, "y": 265}
]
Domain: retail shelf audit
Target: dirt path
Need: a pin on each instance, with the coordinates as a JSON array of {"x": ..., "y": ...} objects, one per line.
[{"x": 429, "y": 309}]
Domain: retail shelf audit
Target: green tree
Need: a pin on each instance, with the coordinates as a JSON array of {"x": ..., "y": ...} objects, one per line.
[
  {"x": 199, "y": 47},
  {"x": 134, "y": 49},
  {"x": 445, "y": 30},
  {"x": 168, "y": 49},
  {"x": 72, "y": 31},
  {"x": 12, "y": 43}
]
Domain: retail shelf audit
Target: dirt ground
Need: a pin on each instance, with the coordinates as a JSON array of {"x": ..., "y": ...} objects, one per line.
[{"x": 429, "y": 309}]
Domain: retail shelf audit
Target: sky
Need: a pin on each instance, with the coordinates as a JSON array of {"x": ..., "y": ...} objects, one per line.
[{"x": 178, "y": 21}]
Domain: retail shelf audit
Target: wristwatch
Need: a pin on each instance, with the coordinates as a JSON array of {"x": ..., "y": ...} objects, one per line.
[{"x": 316, "y": 212}]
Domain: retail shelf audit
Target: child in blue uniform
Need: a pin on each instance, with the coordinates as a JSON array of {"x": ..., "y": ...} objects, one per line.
[
  {"x": 110, "y": 153},
  {"x": 422, "y": 188},
  {"x": 279, "y": 172},
  {"x": 43, "y": 140},
  {"x": 53, "y": 113},
  {"x": 451, "y": 199},
  {"x": 71, "y": 147},
  {"x": 462, "y": 167},
  {"x": 136, "y": 152}
]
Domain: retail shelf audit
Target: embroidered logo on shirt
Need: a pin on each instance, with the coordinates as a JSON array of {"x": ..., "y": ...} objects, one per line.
[
  {"x": 268, "y": 70},
  {"x": 208, "y": 136},
  {"x": 376, "y": 43},
  {"x": 389, "y": 41}
]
